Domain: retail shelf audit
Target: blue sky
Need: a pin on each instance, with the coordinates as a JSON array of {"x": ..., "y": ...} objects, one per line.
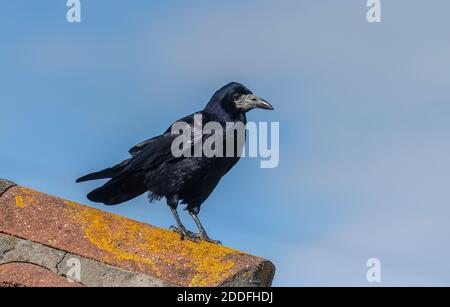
[{"x": 363, "y": 111}]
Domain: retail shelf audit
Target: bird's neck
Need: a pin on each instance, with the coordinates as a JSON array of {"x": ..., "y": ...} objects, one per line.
[{"x": 224, "y": 117}]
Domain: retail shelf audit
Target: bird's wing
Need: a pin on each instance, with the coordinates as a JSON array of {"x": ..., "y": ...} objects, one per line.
[
  {"x": 137, "y": 148},
  {"x": 192, "y": 125},
  {"x": 153, "y": 152}
]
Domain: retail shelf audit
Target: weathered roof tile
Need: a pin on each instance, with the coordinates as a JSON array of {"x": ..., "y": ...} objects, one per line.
[{"x": 126, "y": 244}]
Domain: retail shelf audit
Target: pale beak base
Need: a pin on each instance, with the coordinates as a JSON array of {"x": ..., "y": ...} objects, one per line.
[{"x": 251, "y": 101}]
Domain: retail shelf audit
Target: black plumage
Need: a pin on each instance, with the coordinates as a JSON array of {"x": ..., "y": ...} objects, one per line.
[{"x": 153, "y": 168}]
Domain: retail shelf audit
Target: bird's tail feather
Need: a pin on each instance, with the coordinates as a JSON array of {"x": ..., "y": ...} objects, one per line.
[
  {"x": 119, "y": 190},
  {"x": 106, "y": 173}
]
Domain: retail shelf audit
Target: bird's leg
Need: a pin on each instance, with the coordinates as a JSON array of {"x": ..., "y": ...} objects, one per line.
[
  {"x": 202, "y": 232},
  {"x": 180, "y": 229}
]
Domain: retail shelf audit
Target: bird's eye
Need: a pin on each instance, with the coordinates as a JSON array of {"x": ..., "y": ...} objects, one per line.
[{"x": 237, "y": 97}]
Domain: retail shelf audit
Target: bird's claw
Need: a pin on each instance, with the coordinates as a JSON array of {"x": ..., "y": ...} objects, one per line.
[
  {"x": 204, "y": 237},
  {"x": 217, "y": 242},
  {"x": 185, "y": 234},
  {"x": 189, "y": 235}
]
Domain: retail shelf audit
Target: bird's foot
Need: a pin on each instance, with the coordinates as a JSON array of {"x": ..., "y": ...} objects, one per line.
[
  {"x": 204, "y": 237},
  {"x": 185, "y": 234}
]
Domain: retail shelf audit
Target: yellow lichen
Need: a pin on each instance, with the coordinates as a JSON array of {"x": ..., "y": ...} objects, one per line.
[
  {"x": 26, "y": 199},
  {"x": 19, "y": 201},
  {"x": 157, "y": 249},
  {"x": 27, "y": 190}
]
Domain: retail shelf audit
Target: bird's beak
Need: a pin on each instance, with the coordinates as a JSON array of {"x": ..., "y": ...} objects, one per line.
[{"x": 253, "y": 101}]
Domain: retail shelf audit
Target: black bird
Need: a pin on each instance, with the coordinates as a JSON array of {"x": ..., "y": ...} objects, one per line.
[{"x": 153, "y": 168}]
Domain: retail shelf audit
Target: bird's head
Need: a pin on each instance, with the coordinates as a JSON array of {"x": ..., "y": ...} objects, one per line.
[{"x": 235, "y": 97}]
